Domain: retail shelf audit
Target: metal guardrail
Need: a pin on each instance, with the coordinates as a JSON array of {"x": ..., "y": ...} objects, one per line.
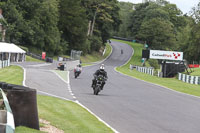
[
  {"x": 189, "y": 79},
  {"x": 146, "y": 70},
  {"x": 9, "y": 126}
]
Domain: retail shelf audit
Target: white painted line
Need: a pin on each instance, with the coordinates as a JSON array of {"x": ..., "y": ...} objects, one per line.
[
  {"x": 96, "y": 116},
  {"x": 24, "y": 78},
  {"x": 61, "y": 77},
  {"x": 54, "y": 96},
  {"x": 75, "y": 100},
  {"x": 39, "y": 65}
]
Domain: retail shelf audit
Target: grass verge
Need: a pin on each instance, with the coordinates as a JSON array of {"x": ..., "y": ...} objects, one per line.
[
  {"x": 95, "y": 56},
  {"x": 69, "y": 116},
  {"x": 171, "y": 83},
  {"x": 12, "y": 74},
  {"x": 31, "y": 59},
  {"x": 65, "y": 115},
  {"x": 196, "y": 72}
]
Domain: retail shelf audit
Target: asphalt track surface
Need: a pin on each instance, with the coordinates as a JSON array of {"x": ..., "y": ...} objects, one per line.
[
  {"x": 133, "y": 106},
  {"x": 127, "y": 104}
]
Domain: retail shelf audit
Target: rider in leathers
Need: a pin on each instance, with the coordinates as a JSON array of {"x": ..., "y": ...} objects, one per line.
[{"x": 102, "y": 72}]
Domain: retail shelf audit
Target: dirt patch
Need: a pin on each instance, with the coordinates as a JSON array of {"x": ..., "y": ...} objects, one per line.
[{"x": 49, "y": 128}]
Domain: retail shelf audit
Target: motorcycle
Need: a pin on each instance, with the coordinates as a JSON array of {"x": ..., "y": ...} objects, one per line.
[
  {"x": 98, "y": 87},
  {"x": 76, "y": 73}
]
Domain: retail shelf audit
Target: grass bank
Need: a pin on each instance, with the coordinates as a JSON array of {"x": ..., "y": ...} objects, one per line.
[
  {"x": 65, "y": 115},
  {"x": 196, "y": 72},
  {"x": 12, "y": 74},
  {"x": 95, "y": 56},
  {"x": 31, "y": 59},
  {"x": 171, "y": 83}
]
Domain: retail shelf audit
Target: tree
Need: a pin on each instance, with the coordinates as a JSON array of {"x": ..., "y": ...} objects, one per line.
[
  {"x": 126, "y": 10},
  {"x": 33, "y": 27},
  {"x": 73, "y": 24},
  {"x": 158, "y": 34}
]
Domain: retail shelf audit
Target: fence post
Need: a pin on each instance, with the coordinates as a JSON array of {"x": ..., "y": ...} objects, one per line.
[
  {"x": 192, "y": 80},
  {"x": 187, "y": 78},
  {"x": 183, "y": 79},
  {"x": 179, "y": 76}
]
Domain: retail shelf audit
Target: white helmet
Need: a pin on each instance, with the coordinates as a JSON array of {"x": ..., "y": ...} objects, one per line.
[{"x": 102, "y": 67}]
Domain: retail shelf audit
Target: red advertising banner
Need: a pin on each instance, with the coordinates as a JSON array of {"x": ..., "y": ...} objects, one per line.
[
  {"x": 43, "y": 55},
  {"x": 193, "y": 65}
]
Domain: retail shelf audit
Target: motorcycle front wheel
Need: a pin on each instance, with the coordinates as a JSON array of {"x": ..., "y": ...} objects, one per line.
[{"x": 96, "y": 90}]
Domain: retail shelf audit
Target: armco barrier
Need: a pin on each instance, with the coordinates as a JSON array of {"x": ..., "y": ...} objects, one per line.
[
  {"x": 189, "y": 79},
  {"x": 147, "y": 70},
  {"x": 6, "y": 117}
]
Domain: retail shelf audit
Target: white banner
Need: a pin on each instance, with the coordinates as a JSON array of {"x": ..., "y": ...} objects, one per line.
[{"x": 166, "y": 55}]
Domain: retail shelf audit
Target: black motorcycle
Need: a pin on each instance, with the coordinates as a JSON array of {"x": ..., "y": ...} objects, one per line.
[
  {"x": 76, "y": 73},
  {"x": 98, "y": 87}
]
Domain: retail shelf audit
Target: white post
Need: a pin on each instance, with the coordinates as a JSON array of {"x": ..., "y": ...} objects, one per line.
[
  {"x": 192, "y": 80},
  {"x": 183, "y": 79},
  {"x": 179, "y": 76},
  {"x": 17, "y": 57},
  {"x": 187, "y": 79},
  {"x": 24, "y": 57},
  {"x": 196, "y": 80}
]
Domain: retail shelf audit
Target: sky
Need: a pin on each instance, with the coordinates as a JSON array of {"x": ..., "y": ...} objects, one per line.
[{"x": 184, "y": 5}]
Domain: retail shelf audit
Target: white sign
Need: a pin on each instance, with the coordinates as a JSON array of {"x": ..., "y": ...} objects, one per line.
[{"x": 166, "y": 55}]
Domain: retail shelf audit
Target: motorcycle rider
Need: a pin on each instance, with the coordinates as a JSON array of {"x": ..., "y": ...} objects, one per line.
[
  {"x": 78, "y": 69},
  {"x": 100, "y": 71}
]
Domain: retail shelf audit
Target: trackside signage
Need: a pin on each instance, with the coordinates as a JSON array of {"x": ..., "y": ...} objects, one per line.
[{"x": 166, "y": 55}]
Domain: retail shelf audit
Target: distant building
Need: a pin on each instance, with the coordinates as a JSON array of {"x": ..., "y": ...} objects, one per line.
[{"x": 2, "y": 28}]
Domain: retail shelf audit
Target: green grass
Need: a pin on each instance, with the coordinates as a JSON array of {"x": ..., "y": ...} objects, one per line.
[
  {"x": 95, "y": 56},
  {"x": 62, "y": 74},
  {"x": 171, "y": 83},
  {"x": 196, "y": 72},
  {"x": 65, "y": 115},
  {"x": 68, "y": 116},
  {"x": 12, "y": 74},
  {"x": 31, "y": 59}
]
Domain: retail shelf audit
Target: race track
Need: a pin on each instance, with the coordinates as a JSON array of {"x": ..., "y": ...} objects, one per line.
[{"x": 133, "y": 106}]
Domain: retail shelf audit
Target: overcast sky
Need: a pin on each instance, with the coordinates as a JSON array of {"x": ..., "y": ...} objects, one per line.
[{"x": 184, "y": 5}]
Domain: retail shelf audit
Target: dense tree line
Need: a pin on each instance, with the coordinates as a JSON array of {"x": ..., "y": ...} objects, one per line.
[
  {"x": 162, "y": 26},
  {"x": 57, "y": 26}
]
